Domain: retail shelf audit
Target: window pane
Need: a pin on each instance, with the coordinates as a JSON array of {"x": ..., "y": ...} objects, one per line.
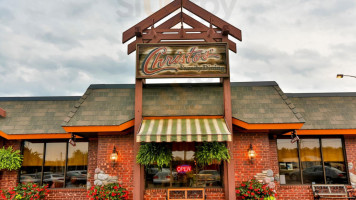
[
  {"x": 54, "y": 165},
  {"x": 334, "y": 162},
  {"x": 77, "y": 165},
  {"x": 311, "y": 161},
  {"x": 32, "y": 163},
  {"x": 288, "y": 161},
  {"x": 183, "y": 171}
]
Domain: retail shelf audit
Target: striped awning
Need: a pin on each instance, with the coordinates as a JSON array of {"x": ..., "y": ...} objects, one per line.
[{"x": 184, "y": 130}]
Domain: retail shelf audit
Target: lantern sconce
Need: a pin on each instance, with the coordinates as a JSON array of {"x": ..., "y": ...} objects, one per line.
[
  {"x": 114, "y": 156},
  {"x": 251, "y": 154}
]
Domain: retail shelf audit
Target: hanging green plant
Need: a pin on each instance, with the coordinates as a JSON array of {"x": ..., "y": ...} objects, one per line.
[
  {"x": 9, "y": 159},
  {"x": 154, "y": 153},
  {"x": 211, "y": 153}
]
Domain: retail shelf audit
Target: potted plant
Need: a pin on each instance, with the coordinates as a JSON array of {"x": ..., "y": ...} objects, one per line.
[
  {"x": 254, "y": 189},
  {"x": 211, "y": 153},
  {"x": 25, "y": 191},
  {"x": 10, "y": 159},
  {"x": 154, "y": 153},
  {"x": 112, "y": 191}
]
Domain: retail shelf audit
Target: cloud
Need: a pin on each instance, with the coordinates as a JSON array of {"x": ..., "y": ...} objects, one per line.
[{"x": 61, "y": 47}]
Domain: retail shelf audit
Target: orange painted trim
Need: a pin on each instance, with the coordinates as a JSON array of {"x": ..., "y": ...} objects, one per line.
[
  {"x": 275, "y": 126},
  {"x": 36, "y": 136},
  {"x": 327, "y": 132},
  {"x": 185, "y": 117},
  {"x": 91, "y": 129}
]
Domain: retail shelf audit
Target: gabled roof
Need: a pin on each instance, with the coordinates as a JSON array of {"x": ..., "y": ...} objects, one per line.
[
  {"x": 262, "y": 103},
  {"x": 198, "y": 31},
  {"x": 326, "y": 110},
  {"x": 34, "y": 115}
]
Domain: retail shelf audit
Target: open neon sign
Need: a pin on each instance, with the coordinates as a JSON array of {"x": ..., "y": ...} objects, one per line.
[{"x": 184, "y": 168}]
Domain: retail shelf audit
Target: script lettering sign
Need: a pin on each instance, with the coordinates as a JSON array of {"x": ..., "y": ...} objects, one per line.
[{"x": 182, "y": 60}]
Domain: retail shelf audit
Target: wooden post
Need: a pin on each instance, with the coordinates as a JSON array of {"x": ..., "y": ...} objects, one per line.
[
  {"x": 229, "y": 173},
  {"x": 138, "y": 179}
]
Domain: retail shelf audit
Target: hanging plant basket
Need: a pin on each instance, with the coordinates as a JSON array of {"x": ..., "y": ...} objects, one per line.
[
  {"x": 154, "y": 154},
  {"x": 211, "y": 153}
]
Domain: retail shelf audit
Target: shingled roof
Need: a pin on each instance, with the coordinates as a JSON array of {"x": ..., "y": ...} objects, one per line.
[
  {"x": 34, "y": 115},
  {"x": 256, "y": 102},
  {"x": 326, "y": 110},
  {"x": 103, "y": 105},
  {"x": 262, "y": 102}
]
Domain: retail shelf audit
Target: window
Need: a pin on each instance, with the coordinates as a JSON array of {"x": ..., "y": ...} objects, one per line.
[
  {"x": 57, "y": 164},
  {"x": 312, "y": 160},
  {"x": 183, "y": 171}
]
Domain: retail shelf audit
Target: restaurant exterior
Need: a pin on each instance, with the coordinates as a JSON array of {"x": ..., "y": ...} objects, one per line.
[{"x": 74, "y": 142}]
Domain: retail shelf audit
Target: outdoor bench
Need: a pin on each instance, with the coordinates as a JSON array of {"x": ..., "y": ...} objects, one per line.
[
  {"x": 186, "y": 194},
  {"x": 326, "y": 191}
]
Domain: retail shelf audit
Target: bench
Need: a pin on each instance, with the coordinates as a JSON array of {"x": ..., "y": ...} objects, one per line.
[
  {"x": 186, "y": 194},
  {"x": 326, "y": 191}
]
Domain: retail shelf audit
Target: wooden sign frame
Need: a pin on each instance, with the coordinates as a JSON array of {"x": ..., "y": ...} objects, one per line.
[{"x": 206, "y": 68}]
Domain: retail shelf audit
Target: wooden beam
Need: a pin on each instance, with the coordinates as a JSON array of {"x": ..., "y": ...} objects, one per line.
[
  {"x": 266, "y": 126},
  {"x": 229, "y": 172},
  {"x": 138, "y": 179},
  {"x": 93, "y": 129},
  {"x": 209, "y": 17},
  {"x": 155, "y": 17}
]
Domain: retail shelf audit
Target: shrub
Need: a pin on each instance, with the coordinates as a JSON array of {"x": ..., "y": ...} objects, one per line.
[
  {"x": 253, "y": 189},
  {"x": 112, "y": 191},
  {"x": 9, "y": 159},
  {"x": 29, "y": 191},
  {"x": 211, "y": 152},
  {"x": 154, "y": 153}
]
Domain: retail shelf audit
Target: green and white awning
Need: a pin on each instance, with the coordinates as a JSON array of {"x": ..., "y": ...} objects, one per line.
[{"x": 183, "y": 130}]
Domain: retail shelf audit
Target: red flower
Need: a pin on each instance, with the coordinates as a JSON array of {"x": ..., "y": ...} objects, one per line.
[
  {"x": 252, "y": 193},
  {"x": 115, "y": 187}
]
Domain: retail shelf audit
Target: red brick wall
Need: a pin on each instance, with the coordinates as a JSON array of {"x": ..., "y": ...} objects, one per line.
[
  {"x": 9, "y": 178},
  {"x": 294, "y": 192},
  {"x": 65, "y": 194},
  {"x": 350, "y": 146},
  {"x": 124, "y": 166},
  {"x": 92, "y": 159}
]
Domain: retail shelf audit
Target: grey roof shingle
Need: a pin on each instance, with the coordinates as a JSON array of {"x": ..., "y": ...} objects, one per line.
[
  {"x": 103, "y": 105},
  {"x": 34, "y": 115},
  {"x": 327, "y": 110},
  {"x": 262, "y": 103},
  {"x": 183, "y": 100}
]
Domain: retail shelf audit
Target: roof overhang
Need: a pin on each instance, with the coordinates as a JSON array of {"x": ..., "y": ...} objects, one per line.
[
  {"x": 327, "y": 132},
  {"x": 267, "y": 126},
  {"x": 35, "y": 136},
  {"x": 101, "y": 129}
]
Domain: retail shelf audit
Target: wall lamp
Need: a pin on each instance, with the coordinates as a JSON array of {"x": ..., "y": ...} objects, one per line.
[
  {"x": 342, "y": 76},
  {"x": 114, "y": 156},
  {"x": 251, "y": 154}
]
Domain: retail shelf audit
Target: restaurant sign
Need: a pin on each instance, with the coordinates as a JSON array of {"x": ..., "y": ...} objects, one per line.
[{"x": 182, "y": 60}]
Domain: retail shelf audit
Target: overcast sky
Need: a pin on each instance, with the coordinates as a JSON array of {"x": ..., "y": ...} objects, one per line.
[{"x": 60, "y": 47}]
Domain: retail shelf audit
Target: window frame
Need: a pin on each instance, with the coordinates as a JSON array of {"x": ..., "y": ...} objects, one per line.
[
  {"x": 44, "y": 158},
  {"x": 319, "y": 137}
]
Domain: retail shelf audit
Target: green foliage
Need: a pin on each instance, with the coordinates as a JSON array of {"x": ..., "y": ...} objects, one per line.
[
  {"x": 112, "y": 191},
  {"x": 29, "y": 191},
  {"x": 154, "y": 153},
  {"x": 254, "y": 189},
  {"x": 211, "y": 152},
  {"x": 9, "y": 159}
]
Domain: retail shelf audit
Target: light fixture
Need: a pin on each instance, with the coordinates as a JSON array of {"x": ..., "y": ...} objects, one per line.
[
  {"x": 114, "y": 156},
  {"x": 342, "y": 76},
  {"x": 251, "y": 154}
]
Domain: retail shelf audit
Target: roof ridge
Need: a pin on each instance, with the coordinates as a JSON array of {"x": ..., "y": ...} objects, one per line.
[
  {"x": 77, "y": 106},
  {"x": 41, "y": 98},
  {"x": 289, "y": 104}
]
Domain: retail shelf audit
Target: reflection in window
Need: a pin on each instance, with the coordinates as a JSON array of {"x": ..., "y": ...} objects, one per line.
[
  {"x": 318, "y": 165},
  {"x": 335, "y": 169},
  {"x": 183, "y": 171},
  {"x": 288, "y": 161},
  {"x": 45, "y": 163},
  {"x": 77, "y": 165},
  {"x": 32, "y": 163}
]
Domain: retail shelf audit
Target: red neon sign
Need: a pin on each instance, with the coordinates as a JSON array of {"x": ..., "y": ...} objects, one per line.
[{"x": 184, "y": 168}]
